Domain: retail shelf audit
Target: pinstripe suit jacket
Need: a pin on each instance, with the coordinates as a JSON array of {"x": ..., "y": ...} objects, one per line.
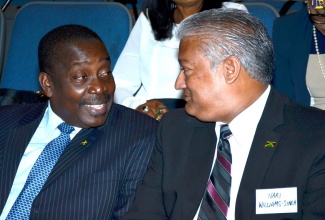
[{"x": 92, "y": 181}]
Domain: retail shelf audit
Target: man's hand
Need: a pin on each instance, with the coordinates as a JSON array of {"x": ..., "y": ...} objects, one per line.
[{"x": 153, "y": 108}]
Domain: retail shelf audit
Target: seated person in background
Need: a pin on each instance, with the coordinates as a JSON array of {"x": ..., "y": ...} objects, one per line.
[
  {"x": 299, "y": 45},
  {"x": 239, "y": 146},
  {"x": 94, "y": 175},
  {"x": 147, "y": 68}
]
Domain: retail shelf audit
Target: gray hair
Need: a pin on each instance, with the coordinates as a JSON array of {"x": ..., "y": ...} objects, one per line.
[{"x": 227, "y": 32}]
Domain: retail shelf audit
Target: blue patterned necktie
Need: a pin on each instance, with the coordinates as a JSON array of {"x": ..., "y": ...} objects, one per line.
[{"x": 39, "y": 173}]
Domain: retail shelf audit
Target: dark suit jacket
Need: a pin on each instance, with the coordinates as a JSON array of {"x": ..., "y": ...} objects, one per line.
[
  {"x": 180, "y": 165},
  {"x": 92, "y": 181},
  {"x": 292, "y": 37}
]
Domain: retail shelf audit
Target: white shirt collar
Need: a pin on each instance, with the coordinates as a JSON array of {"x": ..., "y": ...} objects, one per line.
[
  {"x": 244, "y": 125},
  {"x": 52, "y": 121}
]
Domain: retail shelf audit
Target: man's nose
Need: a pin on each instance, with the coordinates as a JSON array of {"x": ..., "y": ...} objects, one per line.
[
  {"x": 180, "y": 81},
  {"x": 97, "y": 86}
]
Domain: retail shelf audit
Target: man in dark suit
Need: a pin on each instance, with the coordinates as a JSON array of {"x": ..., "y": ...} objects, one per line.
[
  {"x": 239, "y": 150},
  {"x": 96, "y": 174}
]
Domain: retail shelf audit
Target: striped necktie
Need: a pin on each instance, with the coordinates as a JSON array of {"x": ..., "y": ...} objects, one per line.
[
  {"x": 39, "y": 173},
  {"x": 216, "y": 197}
]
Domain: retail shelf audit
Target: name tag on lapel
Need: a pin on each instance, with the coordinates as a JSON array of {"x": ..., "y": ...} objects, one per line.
[{"x": 277, "y": 200}]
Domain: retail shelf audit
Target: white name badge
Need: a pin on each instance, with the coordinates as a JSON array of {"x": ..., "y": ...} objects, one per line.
[{"x": 278, "y": 200}]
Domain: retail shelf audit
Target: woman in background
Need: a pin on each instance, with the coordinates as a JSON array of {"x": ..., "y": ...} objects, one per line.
[
  {"x": 147, "y": 68},
  {"x": 299, "y": 46}
]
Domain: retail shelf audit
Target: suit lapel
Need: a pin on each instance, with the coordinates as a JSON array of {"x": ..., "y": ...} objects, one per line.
[
  {"x": 78, "y": 147},
  {"x": 260, "y": 155},
  {"x": 84, "y": 141},
  {"x": 15, "y": 148},
  {"x": 197, "y": 171}
]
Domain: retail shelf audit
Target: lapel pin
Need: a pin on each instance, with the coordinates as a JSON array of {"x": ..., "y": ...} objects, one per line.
[
  {"x": 270, "y": 144},
  {"x": 84, "y": 142}
]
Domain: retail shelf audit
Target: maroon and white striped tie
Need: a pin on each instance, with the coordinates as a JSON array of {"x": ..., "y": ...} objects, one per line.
[{"x": 216, "y": 198}]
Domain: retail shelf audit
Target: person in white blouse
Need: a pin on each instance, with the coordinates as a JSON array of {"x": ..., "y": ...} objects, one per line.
[{"x": 147, "y": 68}]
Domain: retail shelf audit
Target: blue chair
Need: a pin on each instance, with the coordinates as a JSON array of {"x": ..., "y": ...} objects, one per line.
[
  {"x": 134, "y": 6},
  {"x": 23, "y": 2},
  {"x": 111, "y": 21},
  {"x": 2, "y": 39},
  {"x": 6, "y": 3},
  {"x": 265, "y": 12},
  {"x": 278, "y": 4}
]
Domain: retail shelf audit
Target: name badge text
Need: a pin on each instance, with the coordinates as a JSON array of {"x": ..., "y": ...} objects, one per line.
[{"x": 278, "y": 200}]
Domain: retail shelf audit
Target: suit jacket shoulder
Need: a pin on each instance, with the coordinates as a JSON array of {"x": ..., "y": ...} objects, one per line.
[
  {"x": 12, "y": 114},
  {"x": 185, "y": 147},
  {"x": 122, "y": 114},
  {"x": 183, "y": 120},
  {"x": 287, "y": 151}
]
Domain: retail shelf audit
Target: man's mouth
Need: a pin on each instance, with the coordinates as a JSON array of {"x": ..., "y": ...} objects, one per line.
[
  {"x": 95, "y": 106},
  {"x": 187, "y": 96},
  {"x": 96, "y": 109}
]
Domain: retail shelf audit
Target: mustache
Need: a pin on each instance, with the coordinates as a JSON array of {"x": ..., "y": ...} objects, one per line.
[{"x": 96, "y": 99}]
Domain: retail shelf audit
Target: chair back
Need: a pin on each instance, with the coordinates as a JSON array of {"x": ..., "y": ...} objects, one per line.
[
  {"x": 23, "y": 2},
  {"x": 263, "y": 11},
  {"x": 2, "y": 39},
  {"x": 279, "y": 4},
  {"x": 110, "y": 20},
  {"x": 290, "y": 7}
]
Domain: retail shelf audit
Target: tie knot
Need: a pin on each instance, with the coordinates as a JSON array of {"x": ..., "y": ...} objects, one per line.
[
  {"x": 225, "y": 131},
  {"x": 65, "y": 128}
]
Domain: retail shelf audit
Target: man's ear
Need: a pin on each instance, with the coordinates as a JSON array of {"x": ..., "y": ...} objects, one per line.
[
  {"x": 46, "y": 83},
  {"x": 232, "y": 67}
]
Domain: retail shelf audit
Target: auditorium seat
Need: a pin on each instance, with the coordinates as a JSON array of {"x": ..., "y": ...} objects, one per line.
[
  {"x": 278, "y": 4},
  {"x": 111, "y": 21},
  {"x": 265, "y": 12},
  {"x": 2, "y": 39}
]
